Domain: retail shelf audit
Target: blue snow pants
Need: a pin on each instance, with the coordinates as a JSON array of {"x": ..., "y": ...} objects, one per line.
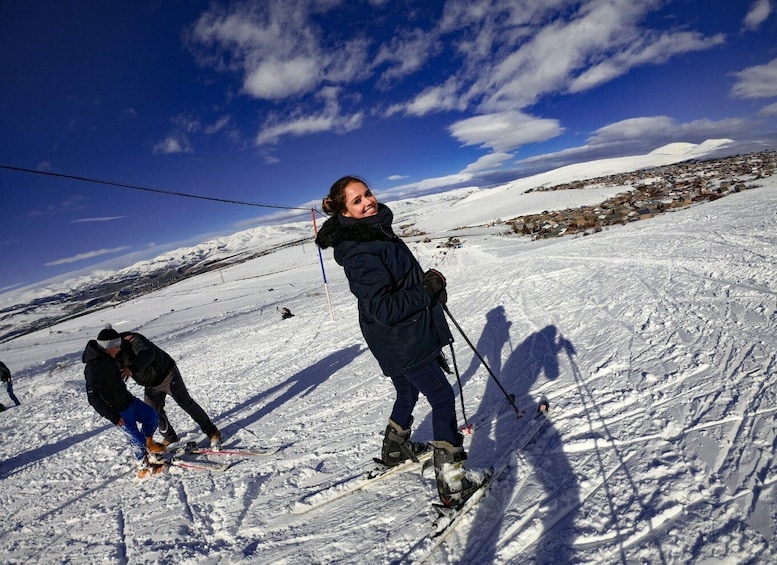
[
  {"x": 433, "y": 384},
  {"x": 139, "y": 413},
  {"x": 9, "y": 388}
]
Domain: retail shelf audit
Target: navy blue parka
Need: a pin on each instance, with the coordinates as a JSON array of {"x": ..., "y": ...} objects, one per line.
[
  {"x": 403, "y": 326},
  {"x": 105, "y": 389},
  {"x": 149, "y": 364}
]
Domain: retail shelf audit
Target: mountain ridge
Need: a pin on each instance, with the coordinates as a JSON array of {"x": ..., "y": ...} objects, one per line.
[{"x": 40, "y": 306}]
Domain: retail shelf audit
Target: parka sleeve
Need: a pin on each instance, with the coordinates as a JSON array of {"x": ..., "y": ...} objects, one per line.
[
  {"x": 386, "y": 299},
  {"x": 143, "y": 353},
  {"x": 97, "y": 402}
]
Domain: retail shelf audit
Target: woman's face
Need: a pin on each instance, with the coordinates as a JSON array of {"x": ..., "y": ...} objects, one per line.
[{"x": 359, "y": 201}]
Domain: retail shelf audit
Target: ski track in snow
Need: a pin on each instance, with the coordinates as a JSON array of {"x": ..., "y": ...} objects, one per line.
[{"x": 655, "y": 343}]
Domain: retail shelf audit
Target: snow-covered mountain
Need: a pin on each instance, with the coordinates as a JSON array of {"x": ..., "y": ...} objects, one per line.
[
  {"x": 655, "y": 343},
  {"x": 37, "y": 306}
]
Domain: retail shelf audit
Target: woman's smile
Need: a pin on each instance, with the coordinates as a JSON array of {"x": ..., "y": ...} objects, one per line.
[{"x": 359, "y": 201}]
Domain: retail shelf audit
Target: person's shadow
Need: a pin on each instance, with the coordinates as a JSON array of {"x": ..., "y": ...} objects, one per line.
[
  {"x": 298, "y": 385},
  {"x": 496, "y": 429},
  {"x": 496, "y": 333}
]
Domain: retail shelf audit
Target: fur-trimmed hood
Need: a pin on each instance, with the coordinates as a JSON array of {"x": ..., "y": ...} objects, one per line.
[{"x": 338, "y": 228}]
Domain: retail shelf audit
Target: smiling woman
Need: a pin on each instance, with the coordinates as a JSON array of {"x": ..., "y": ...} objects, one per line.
[
  {"x": 351, "y": 197},
  {"x": 359, "y": 201},
  {"x": 402, "y": 321}
]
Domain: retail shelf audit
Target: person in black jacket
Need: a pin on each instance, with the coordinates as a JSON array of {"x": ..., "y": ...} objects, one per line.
[
  {"x": 402, "y": 320},
  {"x": 152, "y": 368},
  {"x": 107, "y": 393},
  {"x": 5, "y": 376}
]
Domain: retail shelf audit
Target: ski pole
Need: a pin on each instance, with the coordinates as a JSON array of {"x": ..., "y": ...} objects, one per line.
[
  {"x": 510, "y": 397},
  {"x": 467, "y": 425}
]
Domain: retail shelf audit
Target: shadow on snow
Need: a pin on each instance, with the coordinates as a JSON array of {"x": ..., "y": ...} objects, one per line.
[
  {"x": 497, "y": 427},
  {"x": 298, "y": 385}
]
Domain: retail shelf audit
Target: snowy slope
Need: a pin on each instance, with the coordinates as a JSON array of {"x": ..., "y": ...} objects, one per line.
[
  {"x": 511, "y": 199},
  {"x": 438, "y": 212},
  {"x": 655, "y": 342}
]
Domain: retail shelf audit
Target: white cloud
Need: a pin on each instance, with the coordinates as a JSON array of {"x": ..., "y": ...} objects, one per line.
[
  {"x": 501, "y": 56},
  {"x": 770, "y": 110},
  {"x": 638, "y": 136},
  {"x": 219, "y": 125},
  {"x": 435, "y": 99},
  {"x": 105, "y": 219},
  {"x": 633, "y": 128},
  {"x": 406, "y": 53},
  {"x": 515, "y": 53},
  {"x": 302, "y": 126},
  {"x": 656, "y": 51},
  {"x": 276, "y": 46},
  {"x": 172, "y": 144},
  {"x": 757, "y": 14},
  {"x": 178, "y": 140},
  {"x": 597, "y": 43},
  {"x": 274, "y": 79},
  {"x": 329, "y": 119},
  {"x": 282, "y": 53},
  {"x": 425, "y": 186},
  {"x": 656, "y": 130},
  {"x": 757, "y": 82},
  {"x": 504, "y": 131},
  {"x": 488, "y": 162},
  {"x": 88, "y": 255}
]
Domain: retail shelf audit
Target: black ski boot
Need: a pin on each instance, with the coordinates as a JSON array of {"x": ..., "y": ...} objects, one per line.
[
  {"x": 397, "y": 446},
  {"x": 455, "y": 484}
]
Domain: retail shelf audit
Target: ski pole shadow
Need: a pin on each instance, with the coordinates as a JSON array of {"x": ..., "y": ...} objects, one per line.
[
  {"x": 595, "y": 418},
  {"x": 538, "y": 355},
  {"x": 300, "y": 384},
  {"x": 496, "y": 333}
]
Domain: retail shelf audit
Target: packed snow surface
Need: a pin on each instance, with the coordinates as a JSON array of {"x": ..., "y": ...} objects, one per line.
[{"x": 655, "y": 343}]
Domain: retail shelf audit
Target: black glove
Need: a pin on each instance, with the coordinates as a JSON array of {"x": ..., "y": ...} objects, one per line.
[
  {"x": 442, "y": 361},
  {"x": 435, "y": 284}
]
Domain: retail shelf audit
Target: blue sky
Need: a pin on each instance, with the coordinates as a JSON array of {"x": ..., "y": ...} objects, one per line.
[{"x": 269, "y": 102}]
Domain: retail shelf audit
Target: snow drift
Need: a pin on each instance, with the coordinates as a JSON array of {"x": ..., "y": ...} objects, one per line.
[{"x": 655, "y": 342}]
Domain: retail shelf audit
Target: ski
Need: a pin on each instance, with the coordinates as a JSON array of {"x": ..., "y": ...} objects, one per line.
[
  {"x": 448, "y": 518},
  {"x": 355, "y": 483},
  {"x": 191, "y": 456},
  {"x": 213, "y": 466},
  {"x": 163, "y": 467},
  {"x": 191, "y": 448}
]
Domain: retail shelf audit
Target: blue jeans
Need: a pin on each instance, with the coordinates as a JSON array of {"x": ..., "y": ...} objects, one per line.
[
  {"x": 9, "y": 388},
  {"x": 139, "y": 413},
  {"x": 432, "y": 383}
]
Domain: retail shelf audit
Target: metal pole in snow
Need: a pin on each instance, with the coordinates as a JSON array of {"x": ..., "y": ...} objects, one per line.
[{"x": 323, "y": 271}]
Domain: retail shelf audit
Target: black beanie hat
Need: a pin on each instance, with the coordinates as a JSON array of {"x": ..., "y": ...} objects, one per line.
[{"x": 108, "y": 337}]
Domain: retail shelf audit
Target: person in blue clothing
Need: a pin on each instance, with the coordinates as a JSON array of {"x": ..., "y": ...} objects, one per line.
[
  {"x": 403, "y": 323},
  {"x": 5, "y": 376},
  {"x": 107, "y": 392},
  {"x": 154, "y": 369}
]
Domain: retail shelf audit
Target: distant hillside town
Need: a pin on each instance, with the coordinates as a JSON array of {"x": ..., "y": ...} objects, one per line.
[
  {"x": 649, "y": 192},
  {"x": 646, "y": 193}
]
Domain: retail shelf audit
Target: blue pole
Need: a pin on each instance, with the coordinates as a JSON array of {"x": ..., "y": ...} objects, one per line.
[{"x": 323, "y": 270}]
